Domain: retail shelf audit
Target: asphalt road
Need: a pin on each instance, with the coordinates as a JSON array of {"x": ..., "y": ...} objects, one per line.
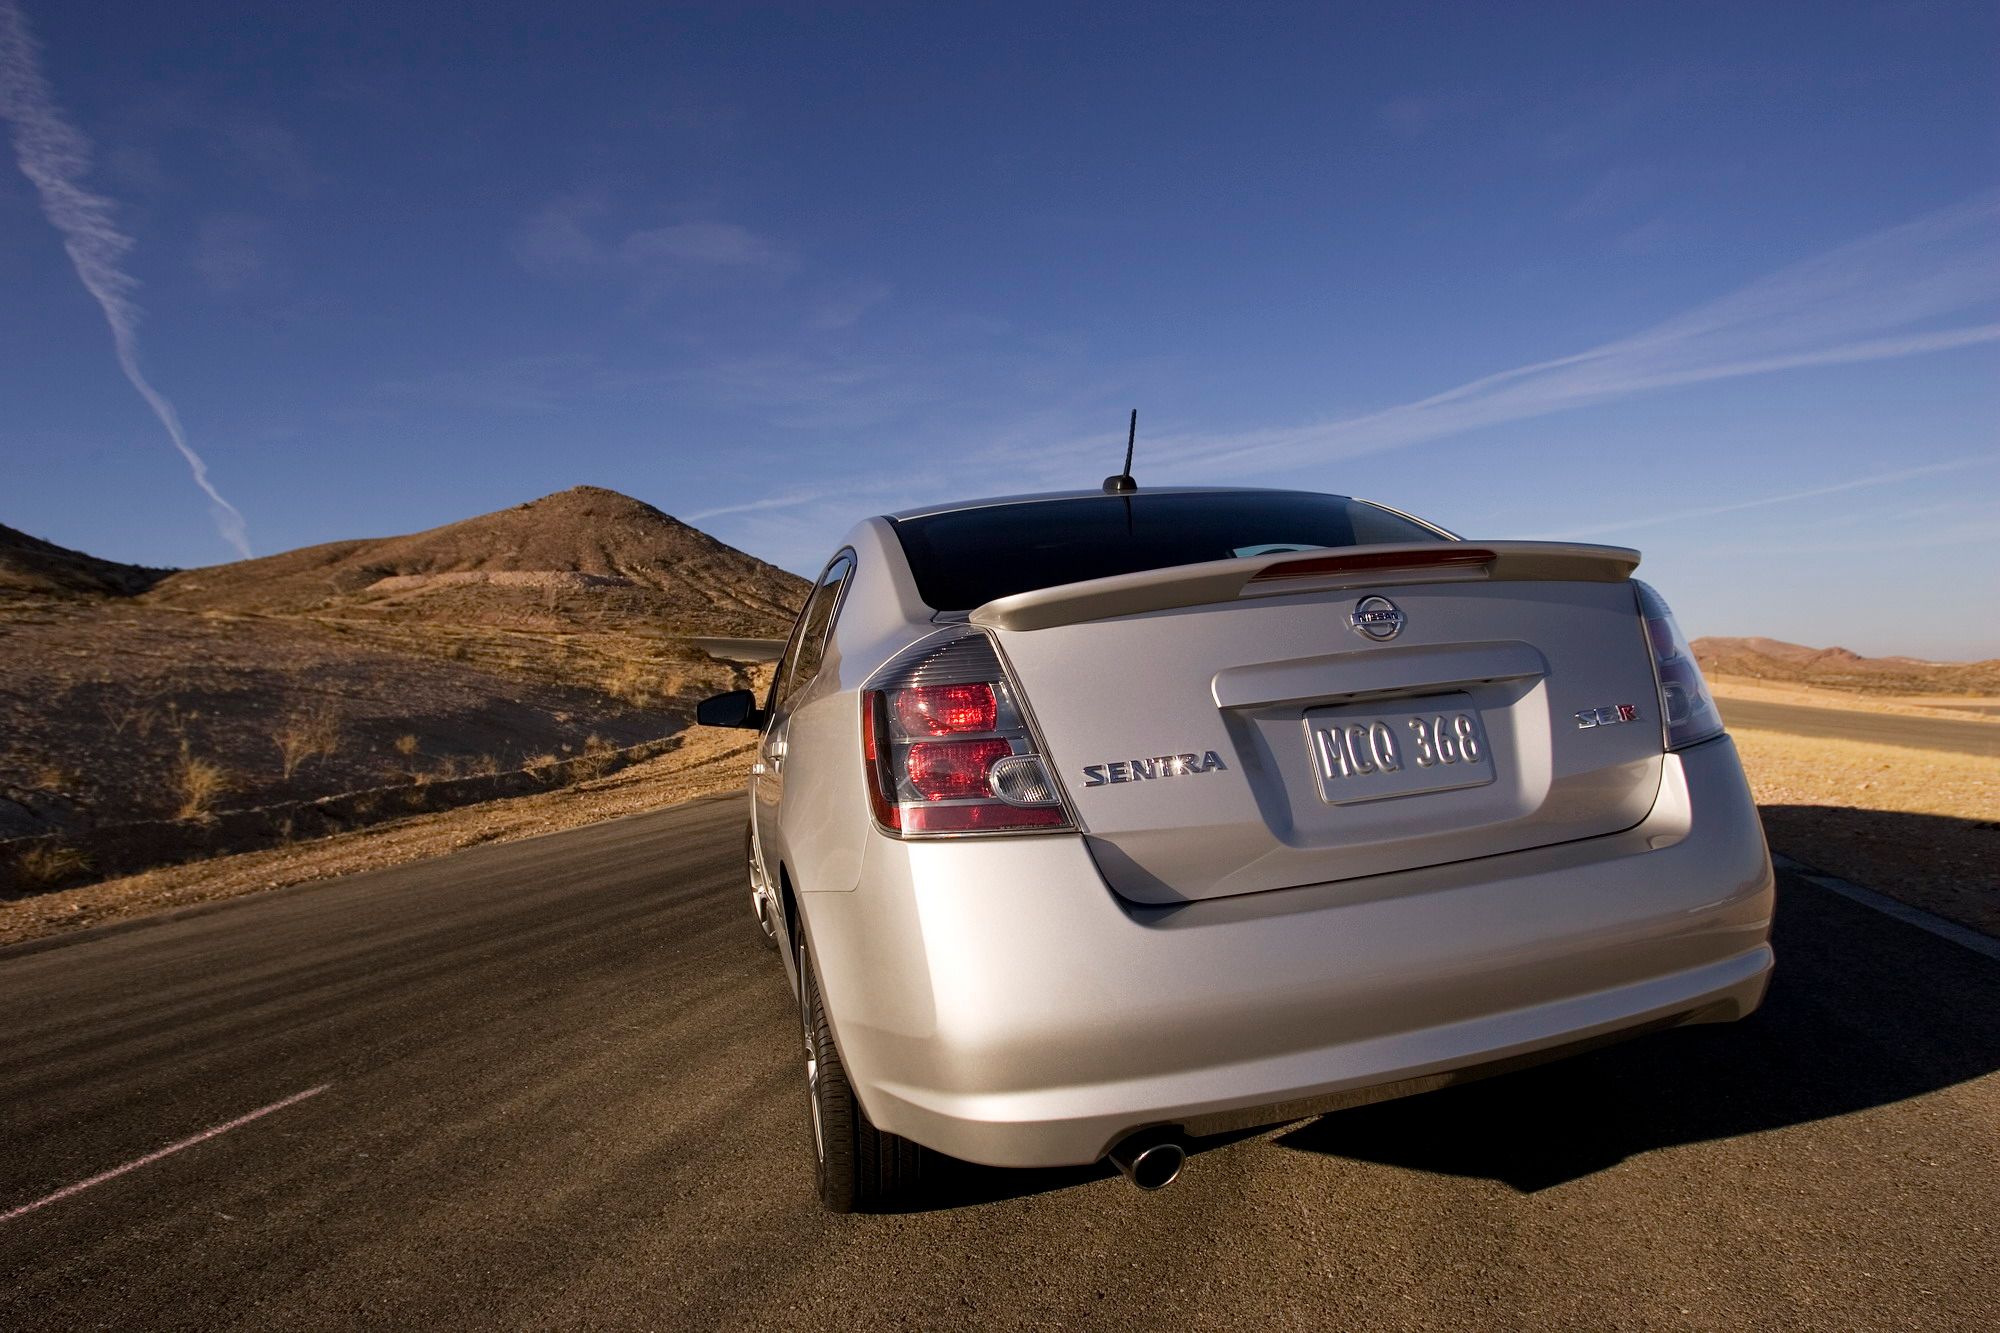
[
  {"x": 742, "y": 650},
  {"x": 1924, "y": 733},
  {"x": 559, "y": 1092}
]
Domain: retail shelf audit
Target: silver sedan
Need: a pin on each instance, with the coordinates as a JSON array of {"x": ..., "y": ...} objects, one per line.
[{"x": 1091, "y": 822}]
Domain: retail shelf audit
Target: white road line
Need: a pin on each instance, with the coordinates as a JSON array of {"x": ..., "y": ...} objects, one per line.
[
  {"x": 167, "y": 1151},
  {"x": 1963, "y": 936}
]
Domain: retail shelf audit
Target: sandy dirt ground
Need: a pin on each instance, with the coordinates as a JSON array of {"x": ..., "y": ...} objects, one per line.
[
  {"x": 1921, "y": 825},
  {"x": 704, "y": 763}
]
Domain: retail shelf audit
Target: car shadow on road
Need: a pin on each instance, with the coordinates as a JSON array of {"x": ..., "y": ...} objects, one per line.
[{"x": 1863, "y": 1011}]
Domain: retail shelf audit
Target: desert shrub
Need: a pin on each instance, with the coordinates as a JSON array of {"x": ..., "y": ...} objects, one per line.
[
  {"x": 632, "y": 682},
  {"x": 596, "y": 760},
  {"x": 406, "y": 744},
  {"x": 53, "y": 777},
  {"x": 121, "y": 714},
  {"x": 307, "y": 733},
  {"x": 199, "y": 783},
  {"x": 48, "y": 865}
]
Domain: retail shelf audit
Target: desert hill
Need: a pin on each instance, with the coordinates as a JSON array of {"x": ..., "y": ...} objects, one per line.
[
  {"x": 1839, "y": 668},
  {"x": 150, "y": 715},
  {"x": 527, "y": 564},
  {"x": 31, "y": 565}
]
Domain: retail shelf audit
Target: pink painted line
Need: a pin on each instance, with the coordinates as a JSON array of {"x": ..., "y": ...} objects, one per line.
[{"x": 167, "y": 1151}]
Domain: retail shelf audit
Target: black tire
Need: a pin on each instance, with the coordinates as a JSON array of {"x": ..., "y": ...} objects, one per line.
[
  {"x": 767, "y": 914},
  {"x": 856, "y": 1167}
]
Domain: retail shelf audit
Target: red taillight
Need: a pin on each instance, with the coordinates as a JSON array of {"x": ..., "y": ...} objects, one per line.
[
  {"x": 947, "y": 748},
  {"x": 953, "y": 770},
  {"x": 984, "y": 818},
  {"x": 939, "y": 710}
]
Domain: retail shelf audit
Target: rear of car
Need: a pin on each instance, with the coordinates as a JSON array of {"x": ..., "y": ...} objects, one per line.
[{"x": 1184, "y": 811}]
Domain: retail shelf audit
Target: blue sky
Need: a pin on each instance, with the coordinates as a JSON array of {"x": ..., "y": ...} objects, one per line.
[{"x": 1721, "y": 282}]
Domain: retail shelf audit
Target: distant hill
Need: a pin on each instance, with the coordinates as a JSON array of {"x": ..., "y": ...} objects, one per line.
[
  {"x": 147, "y": 715},
  {"x": 523, "y": 565},
  {"x": 31, "y": 565},
  {"x": 1839, "y": 668}
]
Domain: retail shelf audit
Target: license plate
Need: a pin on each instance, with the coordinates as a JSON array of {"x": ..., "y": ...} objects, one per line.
[{"x": 1432, "y": 744}]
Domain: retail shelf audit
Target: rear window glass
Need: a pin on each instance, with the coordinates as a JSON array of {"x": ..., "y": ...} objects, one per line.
[{"x": 966, "y": 558}]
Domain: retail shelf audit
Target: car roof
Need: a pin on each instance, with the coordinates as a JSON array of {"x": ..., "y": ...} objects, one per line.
[{"x": 1035, "y": 497}]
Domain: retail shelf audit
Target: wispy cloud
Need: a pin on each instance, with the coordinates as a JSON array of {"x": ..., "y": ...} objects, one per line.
[
  {"x": 705, "y": 244},
  {"x": 566, "y": 237},
  {"x": 1787, "y": 497},
  {"x": 802, "y": 495},
  {"x": 1875, "y": 299},
  {"x": 55, "y": 156}
]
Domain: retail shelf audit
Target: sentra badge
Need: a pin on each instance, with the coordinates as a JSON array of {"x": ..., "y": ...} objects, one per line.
[{"x": 1159, "y": 766}]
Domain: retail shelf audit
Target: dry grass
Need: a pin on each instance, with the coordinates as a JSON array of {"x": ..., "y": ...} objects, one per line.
[
  {"x": 703, "y": 762},
  {"x": 597, "y": 757},
  {"x": 48, "y": 865},
  {"x": 307, "y": 734},
  {"x": 1805, "y": 770},
  {"x": 53, "y": 777},
  {"x": 406, "y": 745},
  {"x": 634, "y": 682},
  {"x": 199, "y": 783},
  {"x": 124, "y": 714}
]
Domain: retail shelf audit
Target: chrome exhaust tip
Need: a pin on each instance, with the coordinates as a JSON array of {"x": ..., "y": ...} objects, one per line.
[{"x": 1149, "y": 1162}]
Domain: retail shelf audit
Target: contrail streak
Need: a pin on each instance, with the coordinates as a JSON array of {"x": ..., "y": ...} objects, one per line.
[
  {"x": 55, "y": 156},
  {"x": 1812, "y": 493},
  {"x": 1874, "y": 299}
]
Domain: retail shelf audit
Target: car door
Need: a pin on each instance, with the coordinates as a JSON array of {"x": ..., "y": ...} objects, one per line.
[{"x": 804, "y": 652}]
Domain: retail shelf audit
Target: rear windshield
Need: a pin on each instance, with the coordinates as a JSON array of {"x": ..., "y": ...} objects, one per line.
[{"x": 965, "y": 558}]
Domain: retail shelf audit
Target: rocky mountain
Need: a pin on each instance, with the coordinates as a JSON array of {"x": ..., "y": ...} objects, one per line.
[{"x": 1840, "y": 668}]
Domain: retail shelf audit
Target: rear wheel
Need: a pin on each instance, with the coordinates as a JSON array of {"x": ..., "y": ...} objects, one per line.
[{"x": 856, "y": 1166}]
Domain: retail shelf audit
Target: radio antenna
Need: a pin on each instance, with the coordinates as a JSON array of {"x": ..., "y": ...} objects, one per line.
[{"x": 1123, "y": 481}]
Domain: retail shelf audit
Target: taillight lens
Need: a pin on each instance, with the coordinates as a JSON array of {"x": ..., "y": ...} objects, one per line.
[
  {"x": 952, "y": 770},
  {"x": 939, "y": 710},
  {"x": 1689, "y": 712},
  {"x": 947, "y": 748}
]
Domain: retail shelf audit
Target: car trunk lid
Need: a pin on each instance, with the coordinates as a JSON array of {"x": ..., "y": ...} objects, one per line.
[{"x": 1245, "y": 725}]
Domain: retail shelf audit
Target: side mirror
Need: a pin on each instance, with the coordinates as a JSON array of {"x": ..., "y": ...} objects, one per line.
[{"x": 738, "y": 708}]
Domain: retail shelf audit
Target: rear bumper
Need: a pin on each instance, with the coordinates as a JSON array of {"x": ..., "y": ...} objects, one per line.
[{"x": 1031, "y": 1018}]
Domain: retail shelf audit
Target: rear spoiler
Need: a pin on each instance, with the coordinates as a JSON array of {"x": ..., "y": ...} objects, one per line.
[{"x": 1284, "y": 573}]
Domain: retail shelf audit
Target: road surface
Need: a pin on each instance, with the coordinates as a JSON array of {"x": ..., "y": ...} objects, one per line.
[
  {"x": 742, "y": 650},
  {"x": 558, "y": 1090},
  {"x": 1924, "y": 733}
]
